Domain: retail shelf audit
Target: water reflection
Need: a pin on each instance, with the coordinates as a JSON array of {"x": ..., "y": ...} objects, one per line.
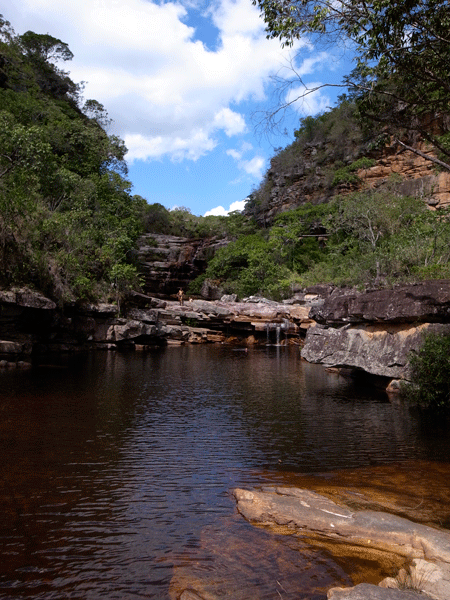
[{"x": 116, "y": 469}]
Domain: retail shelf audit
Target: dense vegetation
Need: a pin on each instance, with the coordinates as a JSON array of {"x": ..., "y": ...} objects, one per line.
[
  {"x": 69, "y": 223},
  {"x": 429, "y": 373}
]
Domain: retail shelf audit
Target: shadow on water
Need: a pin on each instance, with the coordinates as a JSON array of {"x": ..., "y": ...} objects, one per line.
[{"x": 117, "y": 471}]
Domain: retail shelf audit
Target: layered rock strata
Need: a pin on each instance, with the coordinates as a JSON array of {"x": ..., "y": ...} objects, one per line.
[
  {"x": 169, "y": 262},
  {"x": 310, "y": 514},
  {"x": 32, "y": 324},
  {"x": 376, "y": 331}
]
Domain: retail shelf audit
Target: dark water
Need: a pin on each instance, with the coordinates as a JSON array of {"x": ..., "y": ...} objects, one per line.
[{"x": 116, "y": 470}]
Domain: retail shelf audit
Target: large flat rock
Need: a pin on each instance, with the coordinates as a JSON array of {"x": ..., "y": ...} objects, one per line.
[
  {"x": 310, "y": 513},
  {"x": 379, "y": 349},
  {"x": 424, "y": 302}
]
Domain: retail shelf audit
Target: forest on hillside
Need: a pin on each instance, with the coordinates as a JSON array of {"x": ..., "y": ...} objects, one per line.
[{"x": 69, "y": 223}]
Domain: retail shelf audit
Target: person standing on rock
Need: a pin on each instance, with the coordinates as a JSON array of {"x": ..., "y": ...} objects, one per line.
[{"x": 181, "y": 296}]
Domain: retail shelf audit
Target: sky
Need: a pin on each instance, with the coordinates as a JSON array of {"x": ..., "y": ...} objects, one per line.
[{"x": 186, "y": 84}]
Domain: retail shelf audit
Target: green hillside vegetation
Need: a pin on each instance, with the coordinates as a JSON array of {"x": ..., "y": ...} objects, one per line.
[
  {"x": 365, "y": 238},
  {"x": 68, "y": 222}
]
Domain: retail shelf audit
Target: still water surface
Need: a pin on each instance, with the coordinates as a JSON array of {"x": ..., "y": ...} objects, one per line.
[{"x": 116, "y": 470}]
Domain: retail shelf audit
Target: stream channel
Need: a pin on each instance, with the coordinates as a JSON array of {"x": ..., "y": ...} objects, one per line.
[{"x": 117, "y": 471}]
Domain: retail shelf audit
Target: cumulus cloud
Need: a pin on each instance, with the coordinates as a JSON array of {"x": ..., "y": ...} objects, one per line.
[
  {"x": 168, "y": 93},
  {"x": 219, "y": 211},
  {"x": 251, "y": 166}
]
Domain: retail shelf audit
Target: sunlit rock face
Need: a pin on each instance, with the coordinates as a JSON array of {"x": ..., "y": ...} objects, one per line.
[
  {"x": 169, "y": 262},
  {"x": 376, "y": 331}
]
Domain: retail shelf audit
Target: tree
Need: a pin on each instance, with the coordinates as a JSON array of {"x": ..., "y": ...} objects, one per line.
[
  {"x": 403, "y": 52},
  {"x": 45, "y": 47},
  {"x": 429, "y": 372}
]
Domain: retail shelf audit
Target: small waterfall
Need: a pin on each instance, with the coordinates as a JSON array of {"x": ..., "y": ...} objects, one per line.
[{"x": 278, "y": 334}]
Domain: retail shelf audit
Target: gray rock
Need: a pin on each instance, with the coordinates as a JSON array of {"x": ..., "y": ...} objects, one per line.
[
  {"x": 27, "y": 298},
  {"x": 226, "y": 298},
  {"x": 424, "y": 302},
  {"x": 378, "y": 349}
]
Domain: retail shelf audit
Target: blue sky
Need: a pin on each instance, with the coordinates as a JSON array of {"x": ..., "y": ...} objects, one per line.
[{"x": 184, "y": 83}]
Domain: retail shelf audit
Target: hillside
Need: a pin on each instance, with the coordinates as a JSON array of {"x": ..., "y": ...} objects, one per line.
[{"x": 332, "y": 155}]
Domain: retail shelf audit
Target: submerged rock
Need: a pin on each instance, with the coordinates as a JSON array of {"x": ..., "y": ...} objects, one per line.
[
  {"x": 316, "y": 517},
  {"x": 366, "y": 591}
]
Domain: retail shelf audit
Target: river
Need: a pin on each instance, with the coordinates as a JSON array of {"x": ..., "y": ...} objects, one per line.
[{"x": 116, "y": 470}]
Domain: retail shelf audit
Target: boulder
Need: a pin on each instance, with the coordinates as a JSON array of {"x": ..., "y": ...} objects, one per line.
[
  {"x": 378, "y": 349},
  {"x": 311, "y": 513},
  {"x": 424, "y": 302}
]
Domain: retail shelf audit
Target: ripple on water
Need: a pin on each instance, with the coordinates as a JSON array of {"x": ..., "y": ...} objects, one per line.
[{"x": 116, "y": 472}]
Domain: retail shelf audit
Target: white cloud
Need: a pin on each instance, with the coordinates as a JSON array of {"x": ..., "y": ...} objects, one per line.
[
  {"x": 219, "y": 211},
  {"x": 230, "y": 121},
  {"x": 167, "y": 92},
  {"x": 253, "y": 166}
]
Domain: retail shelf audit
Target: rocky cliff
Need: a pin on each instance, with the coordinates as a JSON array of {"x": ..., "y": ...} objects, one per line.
[
  {"x": 169, "y": 262},
  {"x": 375, "y": 331},
  {"x": 309, "y": 178}
]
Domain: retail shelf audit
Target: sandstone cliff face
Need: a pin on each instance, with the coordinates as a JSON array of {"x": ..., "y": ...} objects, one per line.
[
  {"x": 310, "y": 180},
  {"x": 169, "y": 263},
  {"x": 375, "y": 331}
]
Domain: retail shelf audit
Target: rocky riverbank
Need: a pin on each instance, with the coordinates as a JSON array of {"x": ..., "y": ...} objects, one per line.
[
  {"x": 31, "y": 324},
  {"x": 375, "y": 331},
  {"x": 372, "y": 332},
  {"x": 317, "y": 517}
]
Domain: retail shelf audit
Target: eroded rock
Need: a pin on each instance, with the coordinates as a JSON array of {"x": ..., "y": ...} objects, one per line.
[
  {"x": 379, "y": 349},
  {"x": 366, "y": 591},
  {"x": 309, "y": 512},
  {"x": 426, "y": 302}
]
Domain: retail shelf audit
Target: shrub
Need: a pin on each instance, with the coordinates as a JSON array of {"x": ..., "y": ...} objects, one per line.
[{"x": 430, "y": 368}]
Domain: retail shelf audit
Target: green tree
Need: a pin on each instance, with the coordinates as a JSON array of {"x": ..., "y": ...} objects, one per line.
[
  {"x": 403, "y": 52},
  {"x": 430, "y": 367}
]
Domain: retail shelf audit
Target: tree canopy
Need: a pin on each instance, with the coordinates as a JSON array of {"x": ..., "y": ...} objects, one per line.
[
  {"x": 68, "y": 222},
  {"x": 403, "y": 55}
]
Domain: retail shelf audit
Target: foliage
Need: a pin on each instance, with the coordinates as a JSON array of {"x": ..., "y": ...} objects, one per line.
[
  {"x": 429, "y": 372},
  {"x": 348, "y": 174},
  {"x": 379, "y": 237},
  {"x": 181, "y": 222},
  {"x": 248, "y": 266},
  {"x": 403, "y": 52},
  {"x": 67, "y": 220}
]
